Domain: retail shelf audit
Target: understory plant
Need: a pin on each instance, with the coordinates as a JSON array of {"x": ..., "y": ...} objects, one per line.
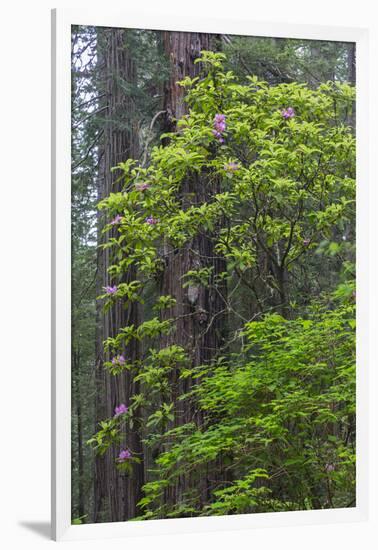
[{"x": 253, "y": 196}]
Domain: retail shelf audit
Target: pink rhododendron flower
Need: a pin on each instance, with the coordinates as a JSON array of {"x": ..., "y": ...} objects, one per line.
[
  {"x": 110, "y": 289},
  {"x": 219, "y": 126},
  {"x": 124, "y": 455},
  {"x": 116, "y": 220},
  {"x": 231, "y": 167},
  {"x": 288, "y": 113},
  {"x": 142, "y": 186},
  {"x": 121, "y": 409},
  {"x": 219, "y": 118},
  {"x": 119, "y": 360},
  {"x": 151, "y": 220}
]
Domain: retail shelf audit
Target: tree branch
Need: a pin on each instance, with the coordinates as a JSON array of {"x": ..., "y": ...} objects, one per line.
[{"x": 88, "y": 151}]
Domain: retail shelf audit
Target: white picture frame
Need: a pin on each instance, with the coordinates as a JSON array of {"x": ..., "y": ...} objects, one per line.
[{"x": 61, "y": 272}]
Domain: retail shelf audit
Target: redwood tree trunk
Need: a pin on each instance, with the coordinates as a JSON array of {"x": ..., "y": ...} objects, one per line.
[
  {"x": 116, "y": 496},
  {"x": 200, "y": 322}
]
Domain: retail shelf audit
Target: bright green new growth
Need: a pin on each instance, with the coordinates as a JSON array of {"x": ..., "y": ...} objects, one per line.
[
  {"x": 278, "y": 400},
  {"x": 282, "y": 414}
]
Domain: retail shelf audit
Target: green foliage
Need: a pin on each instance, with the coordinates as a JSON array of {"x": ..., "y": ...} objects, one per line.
[
  {"x": 289, "y": 60},
  {"x": 80, "y": 520},
  {"x": 161, "y": 416},
  {"x": 239, "y": 498},
  {"x": 280, "y": 418},
  {"x": 271, "y": 414},
  {"x": 107, "y": 435},
  {"x": 164, "y": 302},
  {"x": 294, "y": 182},
  {"x": 197, "y": 276}
]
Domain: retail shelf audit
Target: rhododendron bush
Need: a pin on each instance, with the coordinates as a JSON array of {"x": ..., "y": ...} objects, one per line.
[{"x": 264, "y": 175}]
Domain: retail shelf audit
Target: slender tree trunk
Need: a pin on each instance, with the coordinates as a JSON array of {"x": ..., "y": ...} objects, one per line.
[
  {"x": 116, "y": 496},
  {"x": 318, "y": 51},
  {"x": 352, "y": 63},
  {"x": 352, "y": 80},
  {"x": 282, "y": 281},
  {"x": 80, "y": 462},
  {"x": 78, "y": 448}
]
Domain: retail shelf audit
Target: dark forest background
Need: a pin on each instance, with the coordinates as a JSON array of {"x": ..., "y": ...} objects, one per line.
[{"x": 124, "y": 99}]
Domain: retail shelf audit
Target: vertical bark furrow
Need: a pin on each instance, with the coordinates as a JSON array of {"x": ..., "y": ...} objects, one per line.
[{"x": 117, "y": 494}]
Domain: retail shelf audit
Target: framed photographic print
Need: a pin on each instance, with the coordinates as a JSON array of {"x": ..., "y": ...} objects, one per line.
[{"x": 207, "y": 241}]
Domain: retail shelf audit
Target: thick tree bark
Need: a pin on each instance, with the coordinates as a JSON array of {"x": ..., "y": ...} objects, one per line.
[
  {"x": 182, "y": 49},
  {"x": 116, "y": 496},
  {"x": 199, "y": 311},
  {"x": 77, "y": 448}
]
